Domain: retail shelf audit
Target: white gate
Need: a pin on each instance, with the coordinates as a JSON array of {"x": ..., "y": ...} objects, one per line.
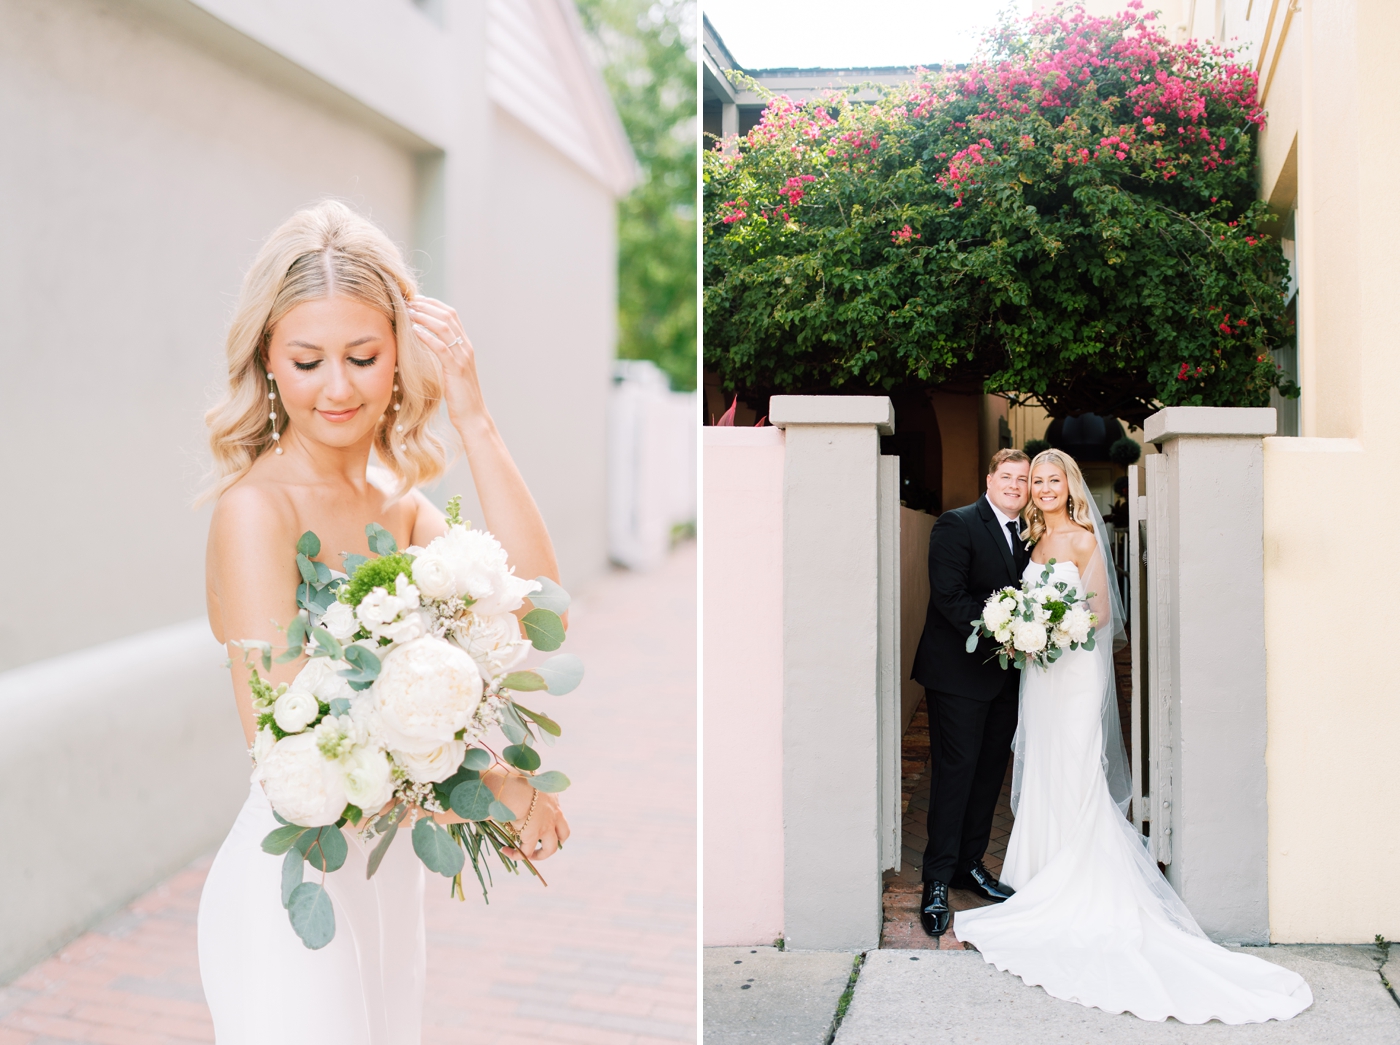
[{"x": 1149, "y": 566}]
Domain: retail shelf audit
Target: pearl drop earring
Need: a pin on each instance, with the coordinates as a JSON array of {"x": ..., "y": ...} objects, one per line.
[
  {"x": 398, "y": 427},
  {"x": 272, "y": 414}
]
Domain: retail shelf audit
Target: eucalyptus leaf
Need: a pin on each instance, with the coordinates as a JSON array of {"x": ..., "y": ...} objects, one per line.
[
  {"x": 477, "y": 758},
  {"x": 471, "y": 800},
  {"x": 323, "y": 573},
  {"x": 550, "y": 596},
  {"x": 522, "y": 756},
  {"x": 353, "y": 562},
  {"x": 524, "y": 681},
  {"x": 297, "y": 630},
  {"x": 312, "y": 915},
  {"x": 324, "y": 848},
  {"x": 551, "y": 781},
  {"x": 307, "y": 569},
  {"x": 544, "y": 629},
  {"x": 292, "y": 866},
  {"x": 280, "y": 839},
  {"x": 376, "y": 857},
  {"x": 309, "y": 545},
  {"x": 543, "y": 721},
  {"x": 321, "y": 600},
  {"x": 561, "y": 673},
  {"x": 381, "y": 541},
  {"x": 327, "y": 642},
  {"x": 437, "y": 848},
  {"x": 502, "y": 813},
  {"x": 972, "y": 643},
  {"x": 340, "y": 706},
  {"x": 511, "y": 726}
]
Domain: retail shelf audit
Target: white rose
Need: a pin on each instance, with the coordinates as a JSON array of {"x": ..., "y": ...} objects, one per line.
[
  {"x": 427, "y": 690},
  {"x": 1029, "y": 636},
  {"x": 301, "y": 785},
  {"x": 321, "y": 677},
  {"x": 431, "y": 765},
  {"x": 432, "y": 575},
  {"x": 295, "y": 710},
  {"x": 494, "y": 642},
  {"x": 377, "y": 608},
  {"x": 369, "y": 782},
  {"x": 339, "y": 620},
  {"x": 414, "y": 625}
]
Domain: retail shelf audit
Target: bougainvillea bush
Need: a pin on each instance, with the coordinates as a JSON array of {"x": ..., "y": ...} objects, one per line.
[{"x": 1071, "y": 218}]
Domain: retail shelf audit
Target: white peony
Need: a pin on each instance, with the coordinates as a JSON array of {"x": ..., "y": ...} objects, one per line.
[
  {"x": 1078, "y": 622},
  {"x": 432, "y": 575},
  {"x": 295, "y": 710},
  {"x": 262, "y": 744},
  {"x": 996, "y": 615},
  {"x": 431, "y": 765},
  {"x": 480, "y": 570},
  {"x": 427, "y": 690},
  {"x": 1029, "y": 636},
  {"x": 494, "y": 642},
  {"x": 301, "y": 785},
  {"x": 339, "y": 620},
  {"x": 321, "y": 677},
  {"x": 369, "y": 782}
]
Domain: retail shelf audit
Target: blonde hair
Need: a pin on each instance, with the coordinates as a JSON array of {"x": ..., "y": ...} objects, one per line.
[
  {"x": 1077, "y": 503},
  {"x": 324, "y": 251}
]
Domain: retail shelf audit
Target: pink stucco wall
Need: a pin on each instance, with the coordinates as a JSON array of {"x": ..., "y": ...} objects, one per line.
[{"x": 742, "y": 531}]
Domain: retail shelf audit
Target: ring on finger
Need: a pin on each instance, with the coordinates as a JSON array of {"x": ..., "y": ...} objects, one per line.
[{"x": 454, "y": 344}]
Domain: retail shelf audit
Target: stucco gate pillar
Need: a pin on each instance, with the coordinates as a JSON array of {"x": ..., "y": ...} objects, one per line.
[
  {"x": 832, "y": 657},
  {"x": 1206, "y": 567}
]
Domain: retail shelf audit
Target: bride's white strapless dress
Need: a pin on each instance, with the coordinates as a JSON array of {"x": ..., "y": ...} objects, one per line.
[
  {"x": 264, "y": 987},
  {"x": 1093, "y": 921}
]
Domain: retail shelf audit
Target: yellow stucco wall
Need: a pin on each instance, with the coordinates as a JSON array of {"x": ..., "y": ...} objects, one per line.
[{"x": 1334, "y": 703}]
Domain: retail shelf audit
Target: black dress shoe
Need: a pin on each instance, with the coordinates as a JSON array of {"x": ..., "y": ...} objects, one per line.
[
  {"x": 980, "y": 881},
  {"x": 934, "y": 913}
]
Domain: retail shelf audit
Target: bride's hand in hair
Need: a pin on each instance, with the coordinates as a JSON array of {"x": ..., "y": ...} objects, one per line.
[{"x": 439, "y": 327}]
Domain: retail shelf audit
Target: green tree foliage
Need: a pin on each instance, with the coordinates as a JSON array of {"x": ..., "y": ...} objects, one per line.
[
  {"x": 1072, "y": 218},
  {"x": 648, "y": 58}
]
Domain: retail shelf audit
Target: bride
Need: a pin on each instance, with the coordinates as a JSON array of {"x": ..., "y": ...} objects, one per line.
[
  {"x": 1092, "y": 919},
  {"x": 332, "y": 354}
]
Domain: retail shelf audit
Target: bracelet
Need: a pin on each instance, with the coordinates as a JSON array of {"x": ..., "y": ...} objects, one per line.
[{"x": 534, "y": 797}]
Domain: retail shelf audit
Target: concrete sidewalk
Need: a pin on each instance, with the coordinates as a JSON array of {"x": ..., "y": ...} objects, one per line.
[
  {"x": 905, "y": 997},
  {"x": 604, "y": 956}
]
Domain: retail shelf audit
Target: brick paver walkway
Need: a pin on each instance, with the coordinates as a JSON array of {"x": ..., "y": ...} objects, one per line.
[{"x": 605, "y": 956}]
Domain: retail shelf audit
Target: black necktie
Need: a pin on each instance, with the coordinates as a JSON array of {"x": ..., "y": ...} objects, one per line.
[{"x": 1014, "y": 530}]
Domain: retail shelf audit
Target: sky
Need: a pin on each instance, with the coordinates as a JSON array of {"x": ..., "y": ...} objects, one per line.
[{"x": 763, "y": 34}]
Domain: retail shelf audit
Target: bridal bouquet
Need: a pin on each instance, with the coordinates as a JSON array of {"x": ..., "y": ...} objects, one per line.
[
  {"x": 415, "y": 656},
  {"x": 1037, "y": 622}
]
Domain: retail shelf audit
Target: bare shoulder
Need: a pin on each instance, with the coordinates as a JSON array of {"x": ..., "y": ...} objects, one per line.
[
  {"x": 1083, "y": 544},
  {"x": 251, "y": 514},
  {"x": 428, "y": 520}
]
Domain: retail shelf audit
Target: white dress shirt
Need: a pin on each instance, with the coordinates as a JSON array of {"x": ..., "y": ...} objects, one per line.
[{"x": 1002, "y": 520}]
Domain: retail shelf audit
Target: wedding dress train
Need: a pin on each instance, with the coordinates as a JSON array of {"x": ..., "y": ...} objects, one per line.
[
  {"x": 264, "y": 987},
  {"x": 1093, "y": 920}
]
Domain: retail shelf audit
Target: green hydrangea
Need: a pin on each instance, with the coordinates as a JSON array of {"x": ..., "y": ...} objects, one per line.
[{"x": 376, "y": 573}]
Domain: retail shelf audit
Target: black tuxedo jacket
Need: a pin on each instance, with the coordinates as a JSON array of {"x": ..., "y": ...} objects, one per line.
[{"x": 968, "y": 559}]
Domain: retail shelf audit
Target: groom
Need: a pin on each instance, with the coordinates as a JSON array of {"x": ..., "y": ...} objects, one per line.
[{"x": 971, "y": 700}]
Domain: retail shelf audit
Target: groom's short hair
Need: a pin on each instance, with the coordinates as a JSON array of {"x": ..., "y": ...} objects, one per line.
[{"x": 1002, "y": 456}]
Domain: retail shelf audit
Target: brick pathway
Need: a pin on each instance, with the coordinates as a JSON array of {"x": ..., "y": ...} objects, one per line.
[
  {"x": 904, "y": 888},
  {"x": 605, "y": 956}
]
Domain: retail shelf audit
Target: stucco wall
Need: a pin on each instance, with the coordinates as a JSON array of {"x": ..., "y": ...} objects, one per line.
[
  {"x": 138, "y": 177},
  {"x": 914, "y": 530},
  {"x": 743, "y": 679}
]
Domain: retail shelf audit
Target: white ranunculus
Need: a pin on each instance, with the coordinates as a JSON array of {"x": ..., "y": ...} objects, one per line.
[
  {"x": 301, "y": 785},
  {"x": 295, "y": 710},
  {"x": 427, "y": 690},
  {"x": 339, "y": 620},
  {"x": 414, "y": 624},
  {"x": 432, "y": 575},
  {"x": 494, "y": 642},
  {"x": 431, "y": 765},
  {"x": 321, "y": 677},
  {"x": 1029, "y": 636},
  {"x": 368, "y": 780}
]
